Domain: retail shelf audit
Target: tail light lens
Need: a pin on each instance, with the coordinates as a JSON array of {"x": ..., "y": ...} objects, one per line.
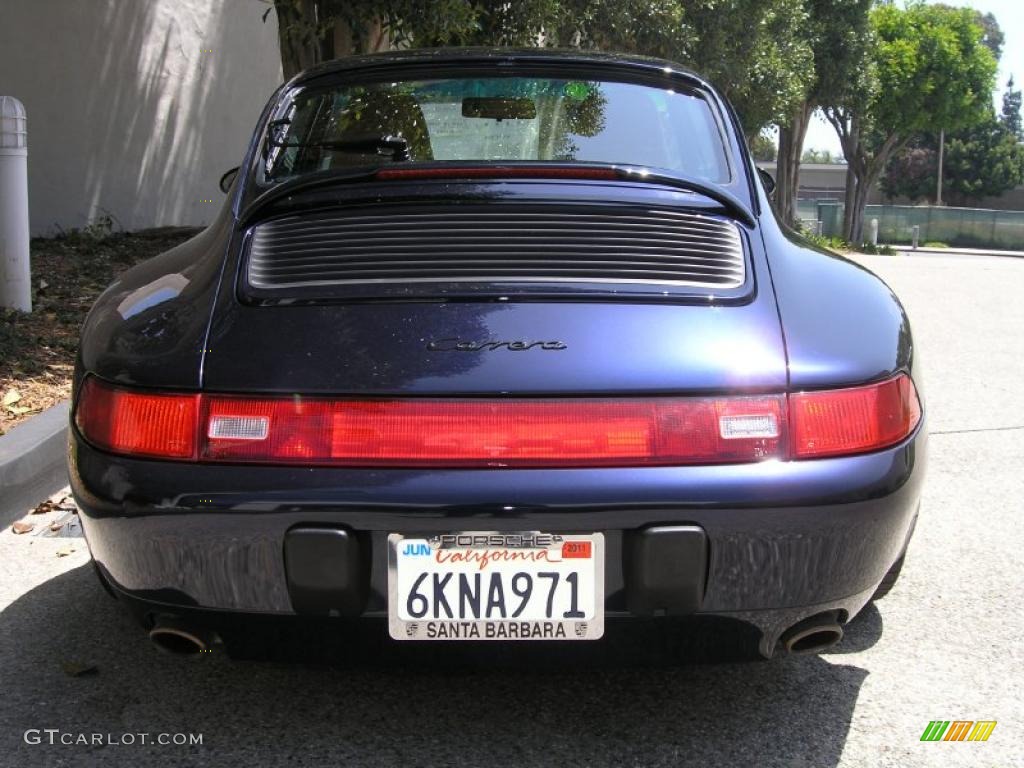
[
  {"x": 429, "y": 432},
  {"x": 470, "y": 432},
  {"x": 855, "y": 420},
  {"x": 138, "y": 423},
  {"x": 519, "y": 432},
  {"x": 501, "y": 172}
]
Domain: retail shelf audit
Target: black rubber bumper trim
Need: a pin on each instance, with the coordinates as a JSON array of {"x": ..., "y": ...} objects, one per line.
[
  {"x": 665, "y": 570},
  {"x": 327, "y": 569}
]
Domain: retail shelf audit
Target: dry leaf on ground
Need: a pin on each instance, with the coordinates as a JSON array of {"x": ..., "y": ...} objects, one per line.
[
  {"x": 43, "y": 507},
  {"x": 78, "y": 669}
]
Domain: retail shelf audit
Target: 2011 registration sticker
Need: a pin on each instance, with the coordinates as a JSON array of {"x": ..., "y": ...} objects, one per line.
[{"x": 486, "y": 585}]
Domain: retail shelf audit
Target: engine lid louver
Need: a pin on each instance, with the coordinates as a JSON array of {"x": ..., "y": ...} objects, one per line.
[{"x": 423, "y": 250}]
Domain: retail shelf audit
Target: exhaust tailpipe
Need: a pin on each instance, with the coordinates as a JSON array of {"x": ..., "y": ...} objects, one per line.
[
  {"x": 171, "y": 634},
  {"x": 813, "y": 634}
]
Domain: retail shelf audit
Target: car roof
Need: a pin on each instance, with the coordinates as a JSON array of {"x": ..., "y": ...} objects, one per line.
[{"x": 468, "y": 56}]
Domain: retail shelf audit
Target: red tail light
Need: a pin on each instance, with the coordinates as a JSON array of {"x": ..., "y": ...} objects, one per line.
[
  {"x": 469, "y": 432},
  {"x": 519, "y": 432},
  {"x": 429, "y": 432},
  {"x": 500, "y": 172},
  {"x": 855, "y": 420},
  {"x": 138, "y": 423}
]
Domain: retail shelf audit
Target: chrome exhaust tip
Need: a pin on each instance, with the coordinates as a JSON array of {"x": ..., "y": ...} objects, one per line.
[
  {"x": 812, "y": 635},
  {"x": 172, "y": 635}
]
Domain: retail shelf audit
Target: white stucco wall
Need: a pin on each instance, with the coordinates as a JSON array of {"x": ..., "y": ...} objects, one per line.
[{"x": 135, "y": 107}]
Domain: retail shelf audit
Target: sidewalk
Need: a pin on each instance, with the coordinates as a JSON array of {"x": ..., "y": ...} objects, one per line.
[{"x": 958, "y": 251}]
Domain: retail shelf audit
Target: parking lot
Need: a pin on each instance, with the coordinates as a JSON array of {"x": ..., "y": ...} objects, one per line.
[{"x": 944, "y": 645}]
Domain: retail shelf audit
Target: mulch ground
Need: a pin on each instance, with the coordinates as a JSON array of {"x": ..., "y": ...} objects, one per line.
[{"x": 37, "y": 349}]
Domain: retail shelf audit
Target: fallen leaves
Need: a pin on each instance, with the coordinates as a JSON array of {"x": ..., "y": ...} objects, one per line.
[
  {"x": 67, "y": 526},
  {"x": 65, "y": 551},
  {"x": 37, "y": 349},
  {"x": 10, "y": 400},
  {"x": 65, "y": 504},
  {"x": 64, "y": 523},
  {"x": 78, "y": 668}
]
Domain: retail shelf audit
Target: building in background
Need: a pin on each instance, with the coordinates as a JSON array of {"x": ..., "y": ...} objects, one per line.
[
  {"x": 827, "y": 181},
  {"x": 994, "y": 223},
  {"x": 135, "y": 107}
]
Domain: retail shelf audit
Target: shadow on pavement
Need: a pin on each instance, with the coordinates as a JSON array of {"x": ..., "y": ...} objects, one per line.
[
  {"x": 861, "y": 633},
  {"x": 620, "y": 702}
]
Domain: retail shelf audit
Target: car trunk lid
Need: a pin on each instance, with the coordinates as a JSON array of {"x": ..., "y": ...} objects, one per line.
[
  {"x": 517, "y": 288},
  {"x": 465, "y": 348}
]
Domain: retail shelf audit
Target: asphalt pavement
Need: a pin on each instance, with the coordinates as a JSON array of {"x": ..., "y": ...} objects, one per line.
[{"x": 946, "y": 644}]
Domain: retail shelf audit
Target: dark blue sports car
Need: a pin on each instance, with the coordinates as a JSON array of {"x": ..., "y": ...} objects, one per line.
[{"x": 495, "y": 345}]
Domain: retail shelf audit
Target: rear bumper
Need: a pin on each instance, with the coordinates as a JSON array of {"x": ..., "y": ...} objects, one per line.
[{"x": 783, "y": 540}]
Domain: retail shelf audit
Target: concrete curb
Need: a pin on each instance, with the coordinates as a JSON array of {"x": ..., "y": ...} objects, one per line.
[{"x": 33, "y": 462}]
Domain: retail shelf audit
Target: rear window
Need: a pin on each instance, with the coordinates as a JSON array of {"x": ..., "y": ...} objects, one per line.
[{"x": 518, "y": 119}]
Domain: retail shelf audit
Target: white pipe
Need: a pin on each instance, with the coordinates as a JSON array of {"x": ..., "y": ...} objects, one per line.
[{"x": 15, "y": 277}]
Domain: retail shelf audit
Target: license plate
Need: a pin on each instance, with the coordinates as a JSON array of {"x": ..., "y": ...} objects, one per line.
[{"x": 483, "y": 585}]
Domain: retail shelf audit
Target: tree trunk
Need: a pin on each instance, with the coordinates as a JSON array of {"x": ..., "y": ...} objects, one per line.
[
  {"x": 296, "y": 35},
  {"x": 371, "y": 38},
  {"x": 848, "y": 129},
  {"x": 785, "y": 183},
  {"x": 309, "y": 34},
  {"x": 848, "y": 199},
  {"x": 866, "y": 171},
  {"x": 787, "y": 168},
  {"x": 855, "y": 232}
]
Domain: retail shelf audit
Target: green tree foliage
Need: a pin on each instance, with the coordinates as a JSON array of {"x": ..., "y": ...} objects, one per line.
[
  {"x": 838, "y": 34},
  {"x": 311, "y": 31},
  {"x": 911, "y": 172},
  {"x": 763, "y": 147},
  {"x": 992, "y": 36},
  {"x": 1011, "y": 110},
  {"x": 929, "y": 67},
  {"x": 983, "y": 160},
  {"x": 754, "y": 50}
]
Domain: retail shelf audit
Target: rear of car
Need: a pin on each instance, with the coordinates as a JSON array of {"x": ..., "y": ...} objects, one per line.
[{"x": 494, "y": 346}]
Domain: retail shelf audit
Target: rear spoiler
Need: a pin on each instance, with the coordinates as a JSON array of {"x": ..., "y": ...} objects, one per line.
[{"x": 535, "y": 170}]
